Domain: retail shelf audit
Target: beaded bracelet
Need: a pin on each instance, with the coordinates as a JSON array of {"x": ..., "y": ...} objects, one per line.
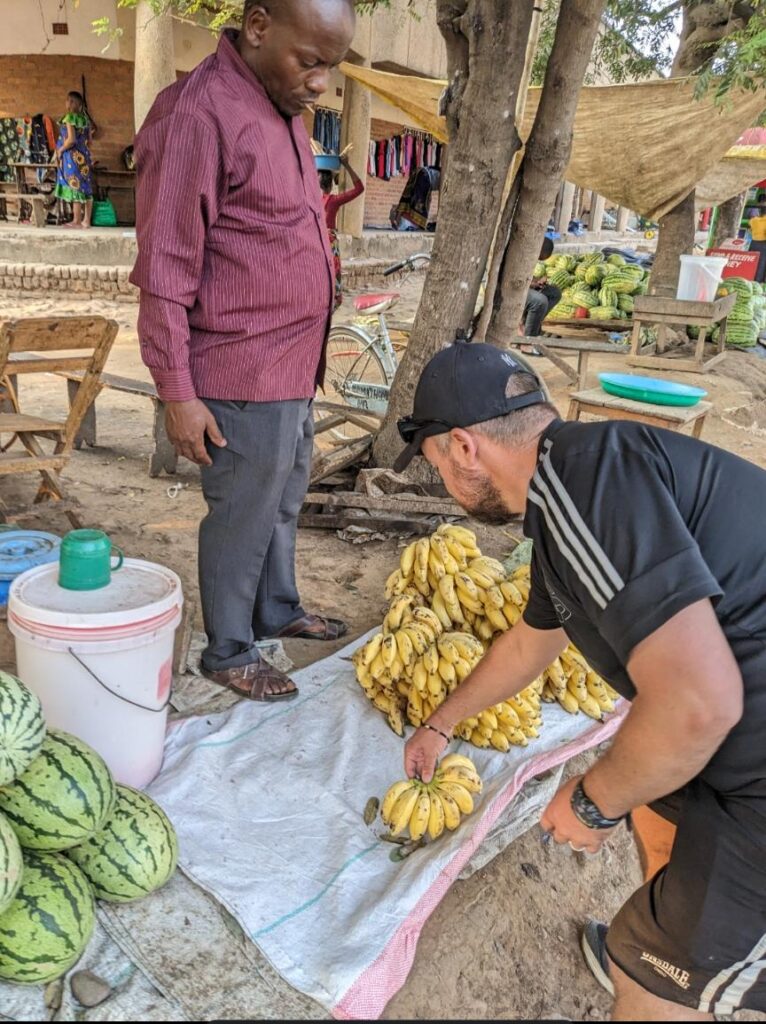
[{"x": 433, "y": 728}]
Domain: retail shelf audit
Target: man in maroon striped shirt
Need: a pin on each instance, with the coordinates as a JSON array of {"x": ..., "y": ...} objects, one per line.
[{"x": 236, "y": 279}]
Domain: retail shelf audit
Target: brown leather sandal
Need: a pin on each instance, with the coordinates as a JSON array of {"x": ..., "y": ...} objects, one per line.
[
  {"x": 300, "y": 629},
  {"x": 251, "y": 681}
]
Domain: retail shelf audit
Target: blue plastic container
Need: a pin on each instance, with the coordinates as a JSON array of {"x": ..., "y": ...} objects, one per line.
[{"x": 21, "y": 550}]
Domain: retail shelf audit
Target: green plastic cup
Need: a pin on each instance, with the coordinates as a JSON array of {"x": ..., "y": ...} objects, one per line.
[{"x": 85, "y": 561}]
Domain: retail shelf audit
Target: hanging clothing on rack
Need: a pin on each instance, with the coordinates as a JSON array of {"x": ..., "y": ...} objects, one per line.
[{"x": 326, "y": 129}]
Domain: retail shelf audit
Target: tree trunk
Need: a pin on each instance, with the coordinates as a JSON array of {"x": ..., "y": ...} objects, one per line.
[
  {"x": 485, "y": 52},
  {"x": 545, "y": 160},
  {"x": 705, "y": 25},
  {"x": 729, "y": 218},
  {"x": 155, "y": 66}
]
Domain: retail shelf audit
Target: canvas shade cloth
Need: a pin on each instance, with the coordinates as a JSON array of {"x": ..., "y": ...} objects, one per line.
[{"x": 644, "y": 146}]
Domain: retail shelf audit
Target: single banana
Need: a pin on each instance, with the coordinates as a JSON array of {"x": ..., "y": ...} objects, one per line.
[
  {"x": 403, "y": 688},
  {"x": 481, "y": 579},
  {"x": 420, "y": 676},
  {"x": 457, "y": 551},
  {"x": 424, "y": 588},
  {"x": 401, "y": 812},
  {"x": 459, "y": 794},
  {"x": 568, "y": 702},
  {"x": 512, "y": 613},
  {"x": 464, "y": 731},
  {"x": 392, "y": 795},
  {"x": 397, "y": 667},
  {"x": 456, "y": 759},
  {"x": 396, "y": 611},
  {"x": 434, "y": 685},
  {"x": 431, "y": 659},
  {"x": 382, "y": 702},
  {"x": 467, "y": 584},
  {"x": 576, "y": 686},
  {"x": 496, "y": 617},
  {"x": 462, "y": 775},
  {"x": 372, "y": 649},
  {"x": 440, "y": 610},
  {"x": 377, "y": 666},
  {"x": 500, "y": 741},
  {"x": 467, "y": 603},
  {"x": 509, "y": 715},
  {"x": 485, "y": 731},
  {"x": 447, "y": 671},
  {"x": 591, "y": 708},
  {"x": 407, "y": 560},
  {"x": 404, "y": 646},
  {"x": 420, "y": 564},
  {"x": 448, "y": 650},
  {"x": 435, "y": 817},
  {"x": 451, "y": 810},
  {"x": 436, "y": 566},
  {"x": 396, "y": 718},
  {"x": 442, "y": 552},
  {"x": 388, "y": 650},
  {"x": 512, "y": 593},
  {"x": 495, "y": 597},
  {"x": 393, "y": 581},
  {"x": 451, "y": 603},
  {"x": 461, "y": 534},
  {"x": 490, "y": 566},
  {"x": 415, "y": 707},
  {"x": 463, "y": 669},
  {"x": 479, "y": 739},
  {"x": 419, "y": 639},
  {"x": 420, "y": 815},
  {"x": 428, "y": 617},
  {"x": 489, "y": 718},
  {"x": 484, "y": 628}
]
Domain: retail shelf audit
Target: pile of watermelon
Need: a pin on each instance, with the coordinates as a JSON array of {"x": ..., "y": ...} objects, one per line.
[
  {"x": 747, "y": 321},
  {"x": 68, "y": 835},
  {"x": 593, "y": 285}
]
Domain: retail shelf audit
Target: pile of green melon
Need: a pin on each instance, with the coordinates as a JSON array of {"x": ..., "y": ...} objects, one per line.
[
  {"x": 68, "y": 835},
  {"x": 593, "y": 286}
]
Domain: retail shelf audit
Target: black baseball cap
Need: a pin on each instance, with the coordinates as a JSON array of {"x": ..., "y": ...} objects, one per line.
[{"x": 462, "y": 385}]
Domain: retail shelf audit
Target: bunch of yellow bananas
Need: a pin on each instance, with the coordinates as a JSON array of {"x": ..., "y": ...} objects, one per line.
[
  {"x": 511, "y": 723},
  {"x": 463, "y": 587},
  {"x": 431, "y": 807}
]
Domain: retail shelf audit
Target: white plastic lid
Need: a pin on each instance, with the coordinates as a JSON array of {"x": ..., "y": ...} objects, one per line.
[{"x": 138, "y": 591}]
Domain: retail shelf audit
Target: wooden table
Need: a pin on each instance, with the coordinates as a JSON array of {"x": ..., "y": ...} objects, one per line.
[
  {"x": 19, "y": 192},
  {"x": 120, "y": 187},
  {"x": 582, "y": 348},
  {"x": 664, "y": 312},
  {"x": 610, "y": 407}
]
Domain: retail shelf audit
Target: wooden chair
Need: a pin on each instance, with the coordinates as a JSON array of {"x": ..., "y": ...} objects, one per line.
[{"x": 26, "y": 346}]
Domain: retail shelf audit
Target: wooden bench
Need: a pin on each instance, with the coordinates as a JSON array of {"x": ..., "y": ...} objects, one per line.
[
  {"x": 580, "y": 347},
  {"x": 35, "y": 200},
  {"x": 665, "y": 313},
  {"x": 610, "y": 407},
  {"x": 164, "y": 457}
]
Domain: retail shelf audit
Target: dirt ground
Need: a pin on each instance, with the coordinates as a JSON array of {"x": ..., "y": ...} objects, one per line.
[{"x": 502, "y": 944}]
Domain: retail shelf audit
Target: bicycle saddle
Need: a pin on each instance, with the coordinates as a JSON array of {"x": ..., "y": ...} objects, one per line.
[{"x": 376, "y": 303}]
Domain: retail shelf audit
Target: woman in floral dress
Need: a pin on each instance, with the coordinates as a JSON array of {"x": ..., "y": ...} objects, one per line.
[{"x": 74, "y": 180}]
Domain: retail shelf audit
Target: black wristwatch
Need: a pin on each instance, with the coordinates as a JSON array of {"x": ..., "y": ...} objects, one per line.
[{"x": 586, "y": 811}]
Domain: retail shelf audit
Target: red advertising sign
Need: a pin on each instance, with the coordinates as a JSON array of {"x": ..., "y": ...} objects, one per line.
[{"x": 739, "y": 264}]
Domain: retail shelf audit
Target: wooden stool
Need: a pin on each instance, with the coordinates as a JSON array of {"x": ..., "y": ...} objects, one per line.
[
  {"x": 667, "y": 312},
  {"x": 610, "y": 407}
]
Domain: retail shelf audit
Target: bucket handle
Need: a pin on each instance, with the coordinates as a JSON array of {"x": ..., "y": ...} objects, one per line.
[{"x": 119, "y": 696}]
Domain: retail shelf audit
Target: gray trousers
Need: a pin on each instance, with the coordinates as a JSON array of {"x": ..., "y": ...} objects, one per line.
[{"x": 254, "y": 491}]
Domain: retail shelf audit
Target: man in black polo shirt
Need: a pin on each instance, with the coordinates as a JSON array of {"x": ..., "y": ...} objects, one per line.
[{"x": 650, "y": 555}]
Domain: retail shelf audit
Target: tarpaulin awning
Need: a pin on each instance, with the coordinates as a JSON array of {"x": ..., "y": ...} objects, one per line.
[
  {"x": 643, "y": 145},
  {"x": 743, "y": 166}
]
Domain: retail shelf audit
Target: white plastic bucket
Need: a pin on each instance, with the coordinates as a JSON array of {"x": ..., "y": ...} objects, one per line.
[
  {"x": 101, "y": 661},
  {"x": 700, "y": 277}
]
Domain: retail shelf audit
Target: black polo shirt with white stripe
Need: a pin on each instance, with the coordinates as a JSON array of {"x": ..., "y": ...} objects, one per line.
[{"x": 631, "y": 524}]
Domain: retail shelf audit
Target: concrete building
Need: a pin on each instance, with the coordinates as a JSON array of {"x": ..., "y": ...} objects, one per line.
[{"x": 49, "y": 48}]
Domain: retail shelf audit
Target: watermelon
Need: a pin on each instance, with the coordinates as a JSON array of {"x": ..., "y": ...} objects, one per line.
[
  {"x": 616, "y": 260},
  {"x": 63, "y": 798},
  {"x": 11, "y": 864},
  {"x": 135, "y": 853},
  {"x": 594, "y": 274},
  {"x": 540, "y": 270},
  {"x": 22, "y": 728},
  {"x": 604, "y": 313},
  {"x": 590, "y": 259},
  {"x": 47, "y": 926},
  {"x": 561, "y": 278}
]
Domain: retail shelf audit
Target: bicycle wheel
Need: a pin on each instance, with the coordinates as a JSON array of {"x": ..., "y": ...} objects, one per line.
[{"x": 351, "y": 356}]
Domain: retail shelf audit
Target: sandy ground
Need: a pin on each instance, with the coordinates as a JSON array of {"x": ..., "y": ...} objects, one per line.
[{"x": 503, "y": 943}]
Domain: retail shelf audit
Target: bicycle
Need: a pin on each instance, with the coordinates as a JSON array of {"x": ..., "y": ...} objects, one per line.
[{"x": 362, "y": 356}]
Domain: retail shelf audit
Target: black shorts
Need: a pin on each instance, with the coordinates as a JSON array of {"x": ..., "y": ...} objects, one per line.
[{"x": 696, "y": 933}]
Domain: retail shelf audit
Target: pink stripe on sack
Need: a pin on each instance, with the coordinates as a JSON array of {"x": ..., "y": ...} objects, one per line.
[{"x": 368, "y": 996}]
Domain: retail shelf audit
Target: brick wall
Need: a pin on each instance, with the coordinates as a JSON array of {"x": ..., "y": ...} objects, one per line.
[
  {"x": 38, "y": 84},
  {"x": 381, "y": 195}
]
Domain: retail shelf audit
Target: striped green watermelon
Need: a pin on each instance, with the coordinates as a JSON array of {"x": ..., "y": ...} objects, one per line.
[
  {"x": 47, "y": 926},
  {"x": 135, "y": 853},
  {"x": 22, "y": 728},
  {"x": 11, "y": 864},
  {"x": 63, "y": 798}
]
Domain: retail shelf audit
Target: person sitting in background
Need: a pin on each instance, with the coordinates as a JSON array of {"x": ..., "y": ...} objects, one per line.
[
  {"x": 74, "y": 178},
  {"x": 332, "y": 204},
  {"x": 541, "y": 298}
]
